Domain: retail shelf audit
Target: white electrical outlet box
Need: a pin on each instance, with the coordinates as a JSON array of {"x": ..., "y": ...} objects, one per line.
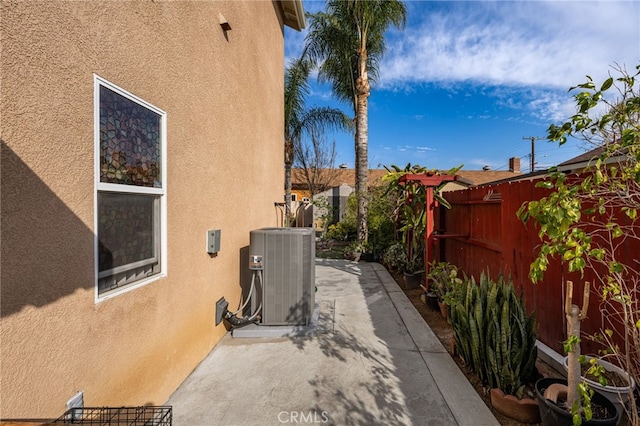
[{"x": 213, "y": 241}]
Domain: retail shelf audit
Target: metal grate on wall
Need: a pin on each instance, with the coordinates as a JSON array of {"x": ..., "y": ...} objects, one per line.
[{"x": 133, "y": 416}]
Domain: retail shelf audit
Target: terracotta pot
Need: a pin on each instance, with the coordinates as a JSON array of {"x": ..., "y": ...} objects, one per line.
[
  {"x": 523, "y": 410},
  {"x": 443, "y": 309}
]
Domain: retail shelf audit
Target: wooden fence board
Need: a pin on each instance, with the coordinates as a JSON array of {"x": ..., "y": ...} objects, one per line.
[{"x": 498, "y": 242}]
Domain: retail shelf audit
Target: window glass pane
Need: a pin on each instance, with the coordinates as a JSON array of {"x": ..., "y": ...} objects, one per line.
[
  {"x": 128, "y": 230},
  {"x": 129, "y": 142}
]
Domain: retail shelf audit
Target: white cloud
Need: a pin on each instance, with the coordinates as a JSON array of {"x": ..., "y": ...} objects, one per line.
[
  {"x": 514, "y": 61},
  {"x": 533, "y": 43},
  {"x": 550, "y": 106}
]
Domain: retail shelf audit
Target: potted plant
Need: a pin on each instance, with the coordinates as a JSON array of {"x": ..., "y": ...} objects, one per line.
[
  {"x": 410, "y": 216},
  {"x": 607, "y": 378},
  {"x": 410, "y": 213},
  {"x": 443, "y": 281},
  {"x": 395, "y": 257},
  {"x": 412, "y": 272},
  {"x": 497, "y": 340},
  {"x": 366, "y": 252},
  {"x": 572, "y": 401},
  {"x": 359, "y": 251},
  {"x": 352, "y": 251},
  {"x": 412, "y": 230}
]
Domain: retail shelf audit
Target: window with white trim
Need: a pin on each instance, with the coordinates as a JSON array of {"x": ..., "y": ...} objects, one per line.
[{"x": 130, "y": 139}]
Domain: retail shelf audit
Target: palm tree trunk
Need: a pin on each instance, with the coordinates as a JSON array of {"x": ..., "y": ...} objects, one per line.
[
  {"x": 362, "y": 152},
  {"x": 288, "y": 162}
]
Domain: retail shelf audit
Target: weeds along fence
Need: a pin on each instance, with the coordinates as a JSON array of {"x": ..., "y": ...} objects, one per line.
[{"x": 481, "y": 232}]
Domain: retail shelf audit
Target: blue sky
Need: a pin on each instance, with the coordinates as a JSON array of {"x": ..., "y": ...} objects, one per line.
[{"x": 466, "y": 81}]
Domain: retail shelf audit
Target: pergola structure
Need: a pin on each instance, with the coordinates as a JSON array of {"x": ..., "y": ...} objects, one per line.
[{"x": 429, "y": 181}]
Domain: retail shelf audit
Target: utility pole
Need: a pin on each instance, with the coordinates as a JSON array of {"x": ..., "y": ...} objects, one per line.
[{"x": 533, "y": 149}]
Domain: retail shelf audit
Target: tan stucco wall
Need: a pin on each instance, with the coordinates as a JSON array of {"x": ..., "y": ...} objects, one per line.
[{"x": 223, "y": 98}]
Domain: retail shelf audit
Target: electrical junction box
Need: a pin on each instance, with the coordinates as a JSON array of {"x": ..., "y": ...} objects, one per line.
[
  {"x": 288, "y": 273},
  {"x": 213, "y": 241}
]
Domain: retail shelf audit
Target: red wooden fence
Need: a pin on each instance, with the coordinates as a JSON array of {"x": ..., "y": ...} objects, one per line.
[{"x": 481, "y": 232}]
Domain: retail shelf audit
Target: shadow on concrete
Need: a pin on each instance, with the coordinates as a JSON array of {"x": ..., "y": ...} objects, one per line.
[
  {"x": 372, "y": 361},
  {"x": 398, "y": 380}
]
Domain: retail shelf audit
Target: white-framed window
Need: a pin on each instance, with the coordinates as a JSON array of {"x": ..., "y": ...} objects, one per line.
[
  {"x": 130, "y": 194},
  {"x": 294, "y": 197}
]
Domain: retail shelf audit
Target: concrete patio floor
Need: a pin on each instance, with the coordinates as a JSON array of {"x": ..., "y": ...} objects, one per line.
[{"x": 373, "y": 361}]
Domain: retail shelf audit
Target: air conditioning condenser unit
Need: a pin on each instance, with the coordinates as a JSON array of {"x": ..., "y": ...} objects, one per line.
[{"x": 288, "y": 274}]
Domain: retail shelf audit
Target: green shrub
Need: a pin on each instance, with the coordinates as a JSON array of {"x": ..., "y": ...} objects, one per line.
[
  {"x": 444, "y": 280},
  {"x": 380, "y": 219},
  {"x": 394, "y": 256},
  {"x": 342, "y": 231},
  {"x": 494, "y": 335}
]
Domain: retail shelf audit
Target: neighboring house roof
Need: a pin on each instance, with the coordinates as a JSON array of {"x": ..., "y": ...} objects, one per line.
[
  {"x": 586, "y": 157},
  {"x": 480, "y": 177},
  {"x": 348, "y": 177},
  {"x": 518, "y": 177},
  {"x": 573, "y": 164},
  {"x": 293, "y": 13},
  {"x": 581, "y": 162},
  {"x": 338, "y": 177}
]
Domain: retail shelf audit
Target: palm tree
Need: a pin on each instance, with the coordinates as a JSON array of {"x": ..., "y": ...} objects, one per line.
[
  {"x": 300, "y": 121},
  {"x": 348, "y": 42}
]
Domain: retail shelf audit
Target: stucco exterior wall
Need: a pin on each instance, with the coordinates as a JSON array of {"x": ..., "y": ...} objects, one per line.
[{"x": 223, "y": 94}]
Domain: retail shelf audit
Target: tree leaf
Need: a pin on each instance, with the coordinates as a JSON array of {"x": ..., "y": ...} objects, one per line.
[{"x": 607, "y": 84}]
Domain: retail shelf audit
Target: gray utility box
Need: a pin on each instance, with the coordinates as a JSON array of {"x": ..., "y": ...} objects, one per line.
[{"x": 289, "y": 274}]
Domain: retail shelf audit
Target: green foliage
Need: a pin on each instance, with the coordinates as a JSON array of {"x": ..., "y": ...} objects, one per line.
[
  {"x": 444, "y": 281},
  {"x": 494, "y": 335},
  {"x": 346, "y": 229},
  {"x": 380, "y": 222},
  {"x": 300, "y": 120},
  {"x": 582, "y": 407},
  {"x": 355, "y": 248},
  {"x": 380, "y": 219},
  {"x": 410, "y": 211},
  {"x": 584, "y": 222},
  {"x": 567, "y": 217},
  {"x": 394, "y": 256},
  {"x": 348, "y": 42},
  {"x": 570, "y": 344},
  {"x": 342, "y": 231}
]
